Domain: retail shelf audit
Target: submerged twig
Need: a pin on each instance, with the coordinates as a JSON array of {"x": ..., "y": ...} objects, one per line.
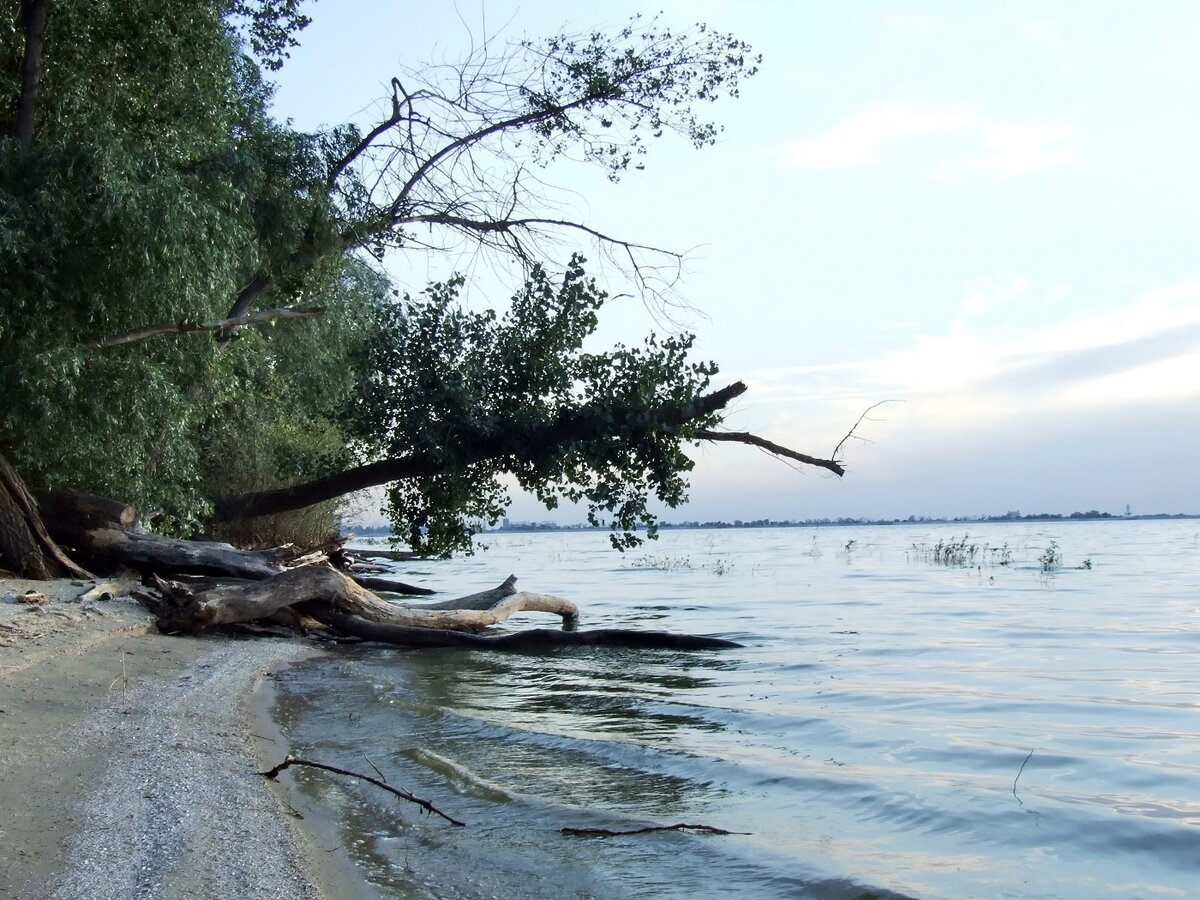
[
  {"x": 290, "y": 761},
  {"x": 680, "y": 826},
  {"x": 1018, "y": 778}
]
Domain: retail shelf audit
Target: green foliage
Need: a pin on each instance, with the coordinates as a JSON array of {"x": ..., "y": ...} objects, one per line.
[
  {"x": 157, "y": 185},
  {"x": 480, "y": 394},
  {"x": 272, "y": 27},
  {"x": 612, "y": 92}
]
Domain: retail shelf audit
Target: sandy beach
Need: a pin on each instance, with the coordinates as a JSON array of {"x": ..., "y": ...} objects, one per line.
[{"x": 131, "y": 758}]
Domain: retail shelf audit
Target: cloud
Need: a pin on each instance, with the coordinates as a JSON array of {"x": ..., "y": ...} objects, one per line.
[
  {"x": 1047, "y": 370},
  {"x": 1146, "y": 351},
  {"x": 1017, "y": 148},
  {"x": 993, "y": 291},
  {"x": 860, "y": 139}
]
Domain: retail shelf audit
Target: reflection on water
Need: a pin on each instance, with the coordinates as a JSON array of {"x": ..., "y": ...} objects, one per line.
[{"x": 892, "y": 727}]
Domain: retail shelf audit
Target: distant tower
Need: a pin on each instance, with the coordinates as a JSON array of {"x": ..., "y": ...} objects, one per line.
[{"x": 1128, "y": 511}]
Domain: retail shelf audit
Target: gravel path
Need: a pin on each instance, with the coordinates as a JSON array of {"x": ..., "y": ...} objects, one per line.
[{"x": 181, "y": 811}]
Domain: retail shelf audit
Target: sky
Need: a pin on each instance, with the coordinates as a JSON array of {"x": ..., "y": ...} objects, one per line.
[{"x": 982, "y": 217}]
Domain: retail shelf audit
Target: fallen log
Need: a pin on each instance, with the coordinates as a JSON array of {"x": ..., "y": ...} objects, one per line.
[
  {"x": 536, "y": 640},
  {"x": 391, "y": 585},
  {"x": 147, "y": 552},
  {"x": 318, "y": 592}
]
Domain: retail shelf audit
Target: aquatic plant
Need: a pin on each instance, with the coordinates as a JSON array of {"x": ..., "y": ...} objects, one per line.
[
  {"x": 1051, "y": 557},
  {"x": 661, "y": 562},
  {"x": 962, "y": 553}
]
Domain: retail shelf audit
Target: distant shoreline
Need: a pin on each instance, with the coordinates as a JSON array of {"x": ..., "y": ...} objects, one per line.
[{"x": 1009, "y": 518}]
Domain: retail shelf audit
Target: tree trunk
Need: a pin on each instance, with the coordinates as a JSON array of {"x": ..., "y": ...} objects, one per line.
[
  {"x": 25, "y": 546},
  {"x": 33, "y": 16},
  {"x": 572, "y": 425}
]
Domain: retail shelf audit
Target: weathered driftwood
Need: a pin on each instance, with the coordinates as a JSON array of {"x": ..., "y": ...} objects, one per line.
[
  {"x": 391, "y": 585},
  {"x": 648, "y": 829},
  {"x": 318, "y": 592},
  {"x": 106, "y": 590},
  {"x": 84, "y": 510},
  {"x": 155, "y": 553},
  {"x": 535, "y": 640}
]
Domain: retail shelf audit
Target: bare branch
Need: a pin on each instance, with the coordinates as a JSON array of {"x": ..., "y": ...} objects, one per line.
[
  {"x": 744, "y": 437},
  {"x": 290, "y": 761},
  {"x": 679, "y": 826},
  {"x": 386, "y": 125},
  {"x": 185, "y": 327},
  {"x": 863, "y": 418}
]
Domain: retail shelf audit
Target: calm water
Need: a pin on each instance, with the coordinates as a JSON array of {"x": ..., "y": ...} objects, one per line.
[{"x": 892, "y": 727}]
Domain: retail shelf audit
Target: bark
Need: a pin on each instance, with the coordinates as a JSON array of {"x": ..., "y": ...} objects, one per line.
[
  {"x": 110, "y": 546},
  {"x": 33, "y": 18},
  {"x": 84, "y": 510},
  {"x": 391, "y": 585},
  {"x": 25, "y": 546}
]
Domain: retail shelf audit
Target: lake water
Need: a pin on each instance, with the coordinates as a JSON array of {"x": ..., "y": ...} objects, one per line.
[{"x": 894, "y": 726}]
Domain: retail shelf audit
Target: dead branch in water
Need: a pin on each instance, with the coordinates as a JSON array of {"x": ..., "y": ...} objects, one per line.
[
  {"x": 680, "y": 826},
  {"x": 289, "y": 761}
]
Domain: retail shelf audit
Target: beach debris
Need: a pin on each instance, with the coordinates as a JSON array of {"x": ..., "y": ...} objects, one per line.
[
  {"x": 34, "y": 598},
  {"x": 680, "y": 826},
  {"x": 289, "y": 761}
]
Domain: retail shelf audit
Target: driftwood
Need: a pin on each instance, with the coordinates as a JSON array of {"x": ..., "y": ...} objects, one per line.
[
  {"x": 214, "y": 584},
  {"x": 648, "y": 829},
  {"x": 155, "y": 553},
  {"x": 320, "y": 592},
  {"x": 390, "y": 585},
  {"x": 290, "y": 761},
  {"x": 106, "y": 590},
  {"x": 315, "y": 598},
  {"x": 536, "y": 640}
]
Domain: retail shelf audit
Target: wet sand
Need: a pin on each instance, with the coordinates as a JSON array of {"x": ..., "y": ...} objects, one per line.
[{"x": 131, "y": 759}]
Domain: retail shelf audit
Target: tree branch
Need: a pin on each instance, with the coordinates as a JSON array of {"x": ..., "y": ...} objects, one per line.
[
  {"x": 577, "y": 424},
  {"x": 744, "y": 437},
  {"x": 290, "y": 761},
  {"x": 185, "y": 327}
]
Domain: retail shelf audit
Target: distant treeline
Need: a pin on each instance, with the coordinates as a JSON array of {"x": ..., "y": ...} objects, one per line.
[{"x": 1090, "y": 515}]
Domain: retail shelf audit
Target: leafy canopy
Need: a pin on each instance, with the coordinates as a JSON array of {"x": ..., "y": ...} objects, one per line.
[{"x": 455, "y": 385}]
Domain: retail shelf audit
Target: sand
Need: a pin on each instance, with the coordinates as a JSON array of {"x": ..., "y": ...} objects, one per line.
[{"x": 131, "y": 759}]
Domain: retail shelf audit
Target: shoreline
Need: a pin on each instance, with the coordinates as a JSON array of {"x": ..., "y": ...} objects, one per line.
[{"x": 132, "y": 759}]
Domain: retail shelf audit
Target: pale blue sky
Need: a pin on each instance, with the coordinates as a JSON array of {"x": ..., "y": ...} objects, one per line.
[{"x": 987, "y": 211}]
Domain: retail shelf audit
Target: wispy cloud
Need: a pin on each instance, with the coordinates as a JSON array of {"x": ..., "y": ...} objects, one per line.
[
  {"x": 1015, "y": 148},
  {"x": 988, "y": 293},
  {"x": 1144, "y": 352},
  {"x": 861, "y": 139}
]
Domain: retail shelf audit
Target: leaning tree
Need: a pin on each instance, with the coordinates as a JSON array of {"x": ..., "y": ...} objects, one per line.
[{"x": 151, "y": 223}]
